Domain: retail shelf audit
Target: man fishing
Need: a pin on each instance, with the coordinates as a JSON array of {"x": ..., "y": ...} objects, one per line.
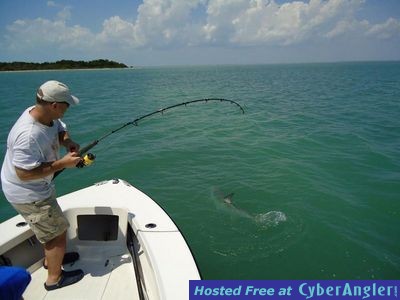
[{"x": 30, "y": 162}]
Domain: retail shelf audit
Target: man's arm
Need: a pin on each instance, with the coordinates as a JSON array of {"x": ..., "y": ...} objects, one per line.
[
  {"x": 70, "y": 160},
  {"x": 67, "y": 142}
]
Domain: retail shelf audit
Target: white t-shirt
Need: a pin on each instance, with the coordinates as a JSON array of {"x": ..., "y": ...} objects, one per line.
[{"x": 30, "y": 144}]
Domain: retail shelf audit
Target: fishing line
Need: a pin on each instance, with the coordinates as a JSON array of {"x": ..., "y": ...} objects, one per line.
[{"x": 89, "y": 158}]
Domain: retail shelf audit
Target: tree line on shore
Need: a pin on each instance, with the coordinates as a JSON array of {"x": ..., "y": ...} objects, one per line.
[{"x": 60, "y": 65}]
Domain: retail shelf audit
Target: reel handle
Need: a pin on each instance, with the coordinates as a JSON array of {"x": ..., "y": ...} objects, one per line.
[{"x": 87, "y": 160}]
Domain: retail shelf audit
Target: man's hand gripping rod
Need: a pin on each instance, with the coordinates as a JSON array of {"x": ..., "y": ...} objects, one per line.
[{"x": 86, "y": 159}]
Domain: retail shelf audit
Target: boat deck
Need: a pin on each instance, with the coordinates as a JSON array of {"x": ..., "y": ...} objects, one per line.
[
  {"x": 106, "y": 277},
  {"x": 120, "y": 234}
]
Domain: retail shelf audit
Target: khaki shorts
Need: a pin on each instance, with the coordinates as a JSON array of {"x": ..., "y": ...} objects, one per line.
[{"x": 44, "y": 217}]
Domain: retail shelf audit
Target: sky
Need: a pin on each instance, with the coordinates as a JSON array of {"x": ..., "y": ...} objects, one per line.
[{"x": 200, "y": 32}]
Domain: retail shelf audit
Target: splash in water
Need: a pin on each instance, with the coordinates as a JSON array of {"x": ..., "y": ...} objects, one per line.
[{"x": 271, "y": 218}]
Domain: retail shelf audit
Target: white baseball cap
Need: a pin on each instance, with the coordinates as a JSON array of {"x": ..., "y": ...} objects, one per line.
[{"x": 55, "y": 91}]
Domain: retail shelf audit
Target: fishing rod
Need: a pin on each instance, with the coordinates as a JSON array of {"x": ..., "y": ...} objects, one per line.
[{"x": 89, "y": 158}]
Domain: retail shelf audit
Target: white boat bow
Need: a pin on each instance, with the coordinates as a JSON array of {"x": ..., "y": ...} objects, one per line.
[{"x": 129, "y": 247}]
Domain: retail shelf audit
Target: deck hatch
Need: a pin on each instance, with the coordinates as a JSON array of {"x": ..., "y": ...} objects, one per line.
[{"x": 97, "y": 227}]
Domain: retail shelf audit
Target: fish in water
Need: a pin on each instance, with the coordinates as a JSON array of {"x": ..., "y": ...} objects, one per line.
[
  {"x": 271, "y": 218},
  {"x": 228, "y": 198},
  {"x": 228, "y": 201}
]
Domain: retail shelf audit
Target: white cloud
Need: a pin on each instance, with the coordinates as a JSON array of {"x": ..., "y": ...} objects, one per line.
[
  {"x": 221, "y": 14},
  {"x": 64, "y": 14},
  {"x": 242, "y": 23},
  {"x": 118, "y": 32},
  {"x": 166, "y": 22},
  {"x": 40, "y": 33},
  {"x": 389, "y": 29},
  {"x": 51, "y": 4},
  {"x": 265, "y": 22},
  {"x": 348, "y": 28},
  {"x": 233, "y": 23}
]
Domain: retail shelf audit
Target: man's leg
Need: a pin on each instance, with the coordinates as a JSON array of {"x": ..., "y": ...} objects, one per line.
[
  {"x": 54, "y": 251},
  {"x": 49, "y": 225}
]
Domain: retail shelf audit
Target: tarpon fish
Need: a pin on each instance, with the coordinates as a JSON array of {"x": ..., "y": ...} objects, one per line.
[
  {"x": 228, "y": 201},
  {"x": 228, "y": 198},
  {"x": 268, "y": 219}
]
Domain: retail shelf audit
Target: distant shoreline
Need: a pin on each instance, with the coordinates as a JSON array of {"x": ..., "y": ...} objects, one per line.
[
  {"x": 64, "y": 70},
  {"x": 61, "y": 65},
  {"x": 204, "y": 65}
]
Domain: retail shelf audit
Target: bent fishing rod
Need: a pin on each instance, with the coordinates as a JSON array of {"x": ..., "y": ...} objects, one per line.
[{"x": 89, "y": 158}]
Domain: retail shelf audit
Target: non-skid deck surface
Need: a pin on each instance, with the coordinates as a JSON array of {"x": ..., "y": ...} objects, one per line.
[{"x": 105, "y": 278}]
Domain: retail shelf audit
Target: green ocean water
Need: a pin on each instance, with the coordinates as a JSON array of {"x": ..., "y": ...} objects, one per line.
[{"x": 314, "y": 163}]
